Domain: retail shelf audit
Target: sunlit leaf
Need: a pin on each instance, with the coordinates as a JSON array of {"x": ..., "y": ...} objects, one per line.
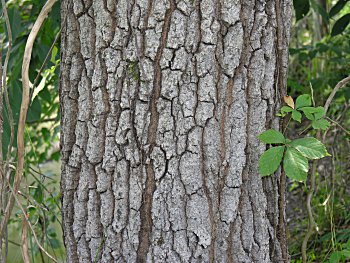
[
  {"x": 310, "y": 147},
  {"x": 53, "y": 55},
  {"x": 295, "y": 165}
]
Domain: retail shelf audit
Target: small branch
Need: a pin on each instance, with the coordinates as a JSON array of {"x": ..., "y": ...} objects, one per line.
[
  {"x": 4, "y": 84},
  {"x": 1, "y": 114},
  {"x": 340, "y": 84},
  {"x": 44, "y": 120},
  {"x": 24, "y": 108},
  {"x": 24, "y": 240},
  {"x": 14, "y": 243},
  {"x": 340, "y": 126},
  {"x": 47, "y": 58},
  {"x": 4, "y": 94}
]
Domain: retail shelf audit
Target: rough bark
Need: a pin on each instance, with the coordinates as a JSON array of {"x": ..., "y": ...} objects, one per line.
[{"x": 161, "y": 105}]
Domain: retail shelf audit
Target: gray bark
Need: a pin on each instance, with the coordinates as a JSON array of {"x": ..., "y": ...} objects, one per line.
[{"x": 161, "y": 105}]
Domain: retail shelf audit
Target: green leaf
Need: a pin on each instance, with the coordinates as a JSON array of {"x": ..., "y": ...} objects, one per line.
[
  {"x": 309, "y": 111},
  {"x": 313, "y": 113},
  {"x": 340, "y": 25},
  {"x": 295, "y": 165},
  {"x": 271, "y": 136},
  {"x": 296, "y": 115},
  {"x": 347, "y": 245},
  {"x": 31, "y": 211},
  {"x": 337, "y": 7},
  {"x": 38, "y": 194},
  {"x": 54, "y": 243},
  {"x": 310, "y": 148},
  {"x": 303, "y": 101},
  {"x": 335, "y": 257},
  {"x": 45, "y": 95},
  {"x": 320, "y": 124},
  {"x": 15, "y": 22},
  {"x": 286, "y": 109},
  {"x": 319, "y": 113},
  {"x": 346, "y": 253},
  {"x": 34, "y": 111},
  {"x": 270, "y": 160},
  {"x": 53, "y": 55},
  {"x": 301, "y": 8}
]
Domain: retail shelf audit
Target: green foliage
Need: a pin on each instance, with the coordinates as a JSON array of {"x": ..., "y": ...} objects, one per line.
[
  {"x": 340, "y": 25},
  {"x": 295, "y": 165},
  {"x": 337, "y": 7},
  {"x": 319, "y": 59},
  {"x": 40, "y": 191},
  {"x": 301, "y": 8},
  {"x": 342, "y": 255},
  {"x": 303, "y": 104},
  {"x": 270, "y": 160},
  {"x": 295, "y": 153},
  {"x": 272, "y": 136},
  {"x": 310, "y": 147}
]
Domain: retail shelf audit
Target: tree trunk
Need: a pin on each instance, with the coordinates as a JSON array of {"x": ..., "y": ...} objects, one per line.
[{"x": 161, "y": 105}]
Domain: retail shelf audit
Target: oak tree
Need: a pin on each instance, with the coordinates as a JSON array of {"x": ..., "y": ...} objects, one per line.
[{"x": 161, "y": 105}]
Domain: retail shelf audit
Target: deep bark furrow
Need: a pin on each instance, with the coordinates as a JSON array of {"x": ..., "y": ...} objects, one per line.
[{"x": 150, "y": 186}]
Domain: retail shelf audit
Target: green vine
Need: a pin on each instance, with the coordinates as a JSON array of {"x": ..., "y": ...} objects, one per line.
[{"x": 295, "y": 154}]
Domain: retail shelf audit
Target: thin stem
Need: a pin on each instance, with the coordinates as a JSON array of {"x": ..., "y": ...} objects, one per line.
[
  {"x": 4, "y": 84},
  {"x": 312, "y": 224},
  {"x": 340, "y": 126},
  {"x": 24, "y": 240},
  {"x": 29, "y": 224},
  {"x": 340, "y": 84},
  {"x": 287, "y": 124}
]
